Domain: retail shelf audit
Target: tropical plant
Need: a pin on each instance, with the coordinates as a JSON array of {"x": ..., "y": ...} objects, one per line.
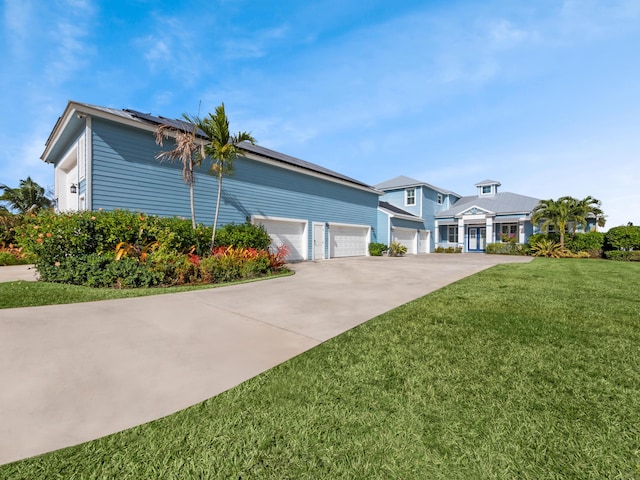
[
  {"x": 223, "y": 149},
  {"x": 545, "y": 247},
  {"x": 28, "y": 197},
  {"x": 396, "y": 249},
  {"x": 555, "y": 212},
  {"x": 188, "y": 151},
  {"x": 584, "y": 209}
]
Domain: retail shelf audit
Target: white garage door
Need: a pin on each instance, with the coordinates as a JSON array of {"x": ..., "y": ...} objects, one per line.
[
  {"x": 406, "y": 237},
  {"x": 292, "y": 233},
  {"x": 348, "y": 240}
]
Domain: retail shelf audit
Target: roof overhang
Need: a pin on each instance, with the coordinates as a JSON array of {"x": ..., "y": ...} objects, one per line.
[{"x": 411, "y": 218}]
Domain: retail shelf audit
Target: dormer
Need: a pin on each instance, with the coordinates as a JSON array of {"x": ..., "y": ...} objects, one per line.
[{"x": 487, "y": 188}]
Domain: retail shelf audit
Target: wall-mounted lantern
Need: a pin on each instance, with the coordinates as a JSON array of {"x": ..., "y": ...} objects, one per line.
[{"x": 73, "y": 188}]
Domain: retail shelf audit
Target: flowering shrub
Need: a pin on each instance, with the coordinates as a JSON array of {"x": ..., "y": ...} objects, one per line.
[{"x": 125, "y": 249}]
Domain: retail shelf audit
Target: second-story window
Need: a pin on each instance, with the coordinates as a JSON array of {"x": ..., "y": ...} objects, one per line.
[
  {"x": 440, "y": 199},
  {"x": 410, "y": 196}
]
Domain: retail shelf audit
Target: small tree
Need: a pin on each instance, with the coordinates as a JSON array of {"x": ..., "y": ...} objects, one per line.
[
  {"x": 554, "y": 212},
  {"x": 188, "y": 151},
  {"x": 28, "y": 197},
  {"x": 222, "y": 148}
]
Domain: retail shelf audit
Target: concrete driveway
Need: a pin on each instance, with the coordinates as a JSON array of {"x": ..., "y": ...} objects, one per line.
[{"x": 72, "y": 373}]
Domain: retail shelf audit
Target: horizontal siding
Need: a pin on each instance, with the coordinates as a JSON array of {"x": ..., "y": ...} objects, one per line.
[
  {"x": 126, "y": 175},
  {"x": 382, "y": 230}
]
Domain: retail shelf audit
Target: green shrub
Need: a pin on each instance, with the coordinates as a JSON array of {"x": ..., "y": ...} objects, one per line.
[
  {"x": 622, "y": 238},
  {"x": 244, "y": 235},
  {"x": 623, "y": 255},
  {"x": 15, "y": 256},
  {"x": 101, "y": 271},
  {"x": 7, "y": 258},
  {"x": 591, "y": 242},
  {"x": 506, "y": 248},
  {"x": 448, "y": 249},
  {"x": 376, "y": 249},
  {"x": 125, "y": 249}
]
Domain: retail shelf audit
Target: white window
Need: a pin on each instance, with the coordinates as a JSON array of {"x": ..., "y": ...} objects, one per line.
[
  {"x": 440, "y": 199},
  {"x": 508, "y": 231},
  {"x": 453, "y": 234},
  {"x": 410, "y": 196}
]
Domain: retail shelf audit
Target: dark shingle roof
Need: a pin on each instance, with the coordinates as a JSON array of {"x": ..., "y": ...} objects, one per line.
[
  {"x": 148, "y": 119},
  {"x": 394, "y": 209}
]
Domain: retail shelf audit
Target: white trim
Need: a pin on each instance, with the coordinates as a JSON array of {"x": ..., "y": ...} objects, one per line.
[
  {"x": 88, "y": 142},
  {"x": 348, "y": 225},
  {"x": 413, "y": 250},
  {"x": 411, "y": 218},
  {"x": 467, "y": 210},
  {"x": 279, "y": 219},
  {"x": 336, "y": 224},
  {"x": 406, "y": 196},
  {"x": 299, "y": 221},
  {"x": 324, "y": 240}
]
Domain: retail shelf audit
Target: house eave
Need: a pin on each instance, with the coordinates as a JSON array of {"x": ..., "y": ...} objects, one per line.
[{"x": 391, "y": 214}]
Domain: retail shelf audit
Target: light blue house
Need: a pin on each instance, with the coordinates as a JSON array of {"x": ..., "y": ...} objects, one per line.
[
  {"x": 407, "y": 210},
  {"x": 487, "y": 217},
  {"x": 105, "y": 158}
]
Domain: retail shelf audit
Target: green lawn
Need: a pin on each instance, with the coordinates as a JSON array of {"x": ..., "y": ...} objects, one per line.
[
  {"x": 32, "y": 294},
  {"x": 523, "y": 371}
]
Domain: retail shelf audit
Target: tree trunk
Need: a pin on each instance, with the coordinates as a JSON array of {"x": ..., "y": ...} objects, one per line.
[
  {"x": 193, "y": 206},
  {"x": 215, "y": 220}
]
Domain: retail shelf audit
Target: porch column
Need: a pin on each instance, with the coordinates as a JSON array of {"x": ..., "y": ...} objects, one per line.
[
  {"x": 437, "y": 234},
  {"x": 461, "y": 235},
  {"x": 489, "y": 232},
  {"x": 520, "y": 231}
]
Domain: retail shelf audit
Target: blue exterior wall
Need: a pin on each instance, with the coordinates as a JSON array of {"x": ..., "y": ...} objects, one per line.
[
  {"x": 383, "y": 228},
  {"x": 126, "y": 175},
  {"x": 426, "y": 207}
]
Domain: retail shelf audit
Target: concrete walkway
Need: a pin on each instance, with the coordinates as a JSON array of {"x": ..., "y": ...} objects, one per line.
[{"x": 72, "y": 373}]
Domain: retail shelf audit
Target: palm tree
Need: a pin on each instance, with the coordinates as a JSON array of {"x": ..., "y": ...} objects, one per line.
[
  {"x": 554, "y": 212},
  {"x": 223, "y": 149},
  {"x": 188, "y": 150},
  {"x": 28, "y": 197},
  {"x": 588, "y": 207}
]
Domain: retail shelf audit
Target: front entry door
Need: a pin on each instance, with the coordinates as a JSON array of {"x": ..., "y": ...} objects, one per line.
[{"x": 477, "y": 239}]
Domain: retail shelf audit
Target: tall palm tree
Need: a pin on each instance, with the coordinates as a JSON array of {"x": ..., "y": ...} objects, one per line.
[
  {"x": 188, "y": 151},
  {"x": 28, "y": 197},
  {"x": 222, "y": 148},
  {"x": 554, "y": 212}
]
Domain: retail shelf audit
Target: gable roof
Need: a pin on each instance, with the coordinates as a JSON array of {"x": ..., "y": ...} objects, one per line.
[
  {"x": 503, "y": 203},
  {"x": 407, "y": 182},
  {"x": 134, "y": 118}
]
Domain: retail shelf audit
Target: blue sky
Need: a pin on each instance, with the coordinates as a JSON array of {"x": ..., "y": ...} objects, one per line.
[{"x": 542, "y": 96}]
